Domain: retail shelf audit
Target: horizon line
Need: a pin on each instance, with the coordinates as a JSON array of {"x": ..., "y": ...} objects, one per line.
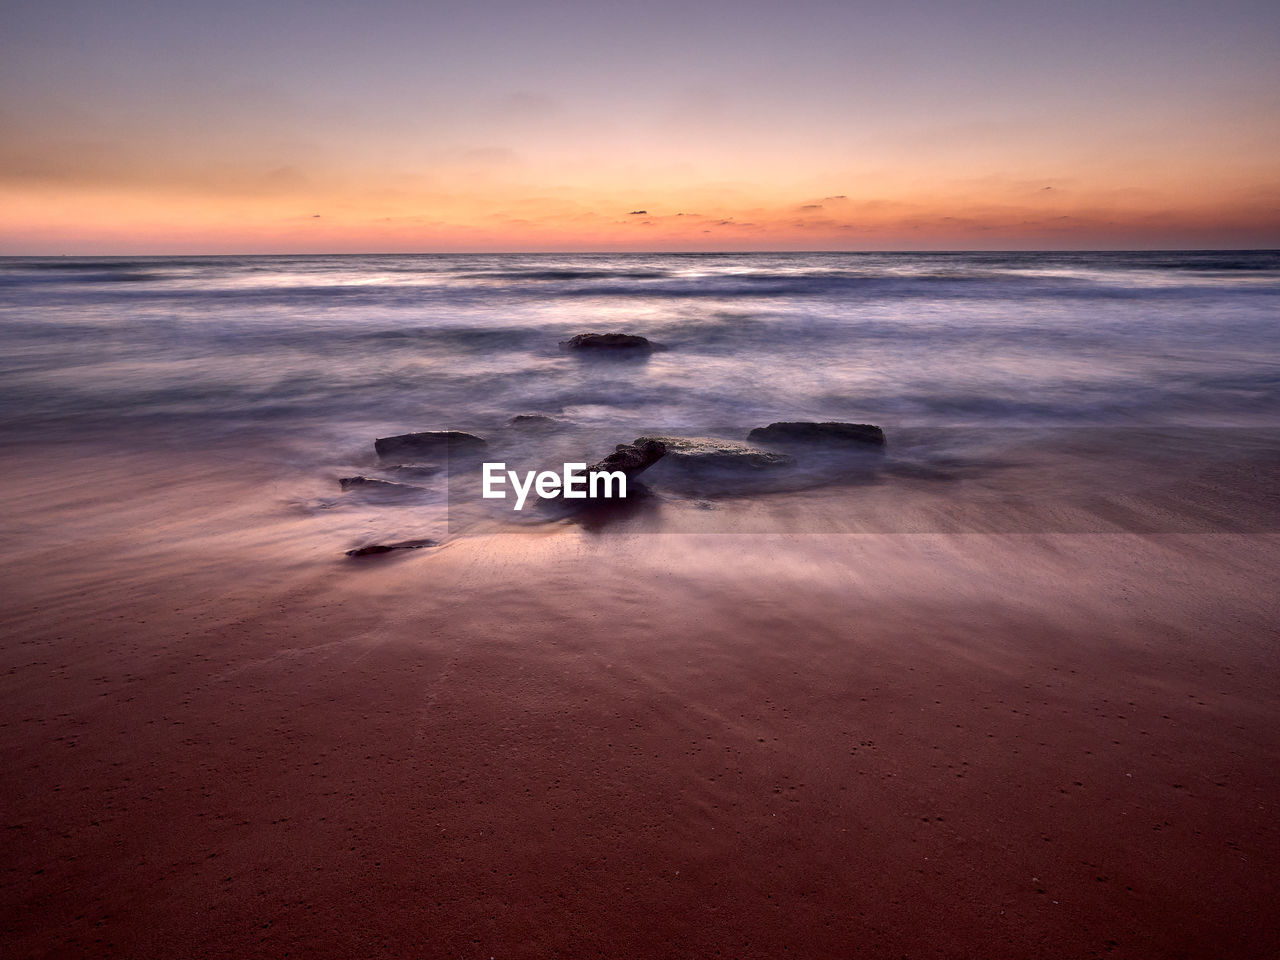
[{"x": 653, "y": 253}]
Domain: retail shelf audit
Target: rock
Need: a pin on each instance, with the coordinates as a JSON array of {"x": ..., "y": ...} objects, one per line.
[
  {"x": 428, "y": 442},
  {"x": 532, "y": 421},
  {"x": 372, "y": 483},
  {"x": 376, "y": 548},
  {"x": 611, "y": 341},
  {"x": 631, "y": 459},
  {"x": 808, "y": 432},
  {"x": 717, "y": 452},
  {"x": 603, "y": 508}
]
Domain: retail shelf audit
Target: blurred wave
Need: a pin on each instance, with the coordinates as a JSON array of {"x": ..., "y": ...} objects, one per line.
[{"x": 336, "y": 348}]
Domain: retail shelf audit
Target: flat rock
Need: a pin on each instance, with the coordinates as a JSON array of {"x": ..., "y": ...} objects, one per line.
[
  {"x": 376, "y": 548},
  {"x": 426, "y": 443},
  {"x": 631, "y": 458},
  {"x": 717, "y": 452},
  {"x": 611, "y": 341},
  {"x": 373, "y": 483},
  {"x": 532, "y": 421},
  {"x": 803, "y": 431}
]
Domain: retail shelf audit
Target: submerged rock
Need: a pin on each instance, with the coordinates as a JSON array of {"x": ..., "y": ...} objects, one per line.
[
  {"x": 809, "y": 432},
  {"x": 611, "y": 341},
  {"x": 717, "y": 452},
  {"x": 427, "y": 442},
  {"x": 373, "y": 484},
  {"x": 631, "y": 458},
  {"x": 532, "y": 421},
  {"x": 376, "y": 548}
]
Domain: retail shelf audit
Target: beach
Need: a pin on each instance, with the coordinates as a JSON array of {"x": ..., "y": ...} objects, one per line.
[{"x": 1007, "y": 691}]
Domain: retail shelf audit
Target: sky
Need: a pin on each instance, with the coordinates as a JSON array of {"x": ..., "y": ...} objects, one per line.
[{"x": 175, "y": 126}]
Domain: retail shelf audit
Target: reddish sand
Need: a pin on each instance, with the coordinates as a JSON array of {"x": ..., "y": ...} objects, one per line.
[{"x": 223, "y": 739}]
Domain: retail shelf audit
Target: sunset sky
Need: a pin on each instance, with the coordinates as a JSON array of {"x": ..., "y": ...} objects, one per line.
[{"x": 163, "y": 126}]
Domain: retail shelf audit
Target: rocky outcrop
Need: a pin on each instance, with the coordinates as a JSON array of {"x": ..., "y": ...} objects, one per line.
[
  {"x": 427, "y": 443},
  {"x": 631, "y": 458},
  {"x": 831, "y": 432},
  {"x": 717, "y": 452},
  {"x": 624, "y": 342},
  {"x": 377, "y": 548}
]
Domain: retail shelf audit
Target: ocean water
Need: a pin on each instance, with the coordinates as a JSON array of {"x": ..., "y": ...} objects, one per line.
[{"x": 311, "y": 357}]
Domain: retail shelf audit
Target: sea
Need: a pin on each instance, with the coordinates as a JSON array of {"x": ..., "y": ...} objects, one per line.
[{"x": 967, "y": 360}]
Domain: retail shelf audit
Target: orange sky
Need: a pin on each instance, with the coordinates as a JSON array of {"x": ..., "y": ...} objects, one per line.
[{"x": 821, "y": 126}]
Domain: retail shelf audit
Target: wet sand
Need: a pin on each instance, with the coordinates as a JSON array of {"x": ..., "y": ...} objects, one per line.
[{"x": 222, "y": 738}]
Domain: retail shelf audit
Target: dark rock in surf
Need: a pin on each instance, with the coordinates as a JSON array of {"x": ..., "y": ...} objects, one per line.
[
  {"x": 809, "y": 432},
  {"x": 532, "y": 421},
  {"x": 378, "y": 548},
  {"x": 717, "y": 452},
  {"x": 427, "y": 443},
  {"x": 631, "y": 458},
  {"x": 621, "y": 342},
  {"x": 373, "y": 484}
]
